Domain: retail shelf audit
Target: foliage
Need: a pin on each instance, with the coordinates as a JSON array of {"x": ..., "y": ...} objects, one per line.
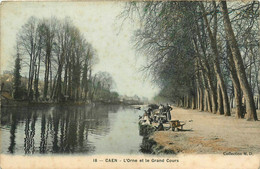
[{"x": 18, "y": 92}]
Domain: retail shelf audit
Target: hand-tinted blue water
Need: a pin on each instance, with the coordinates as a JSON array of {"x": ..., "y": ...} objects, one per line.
[{"x": 102, "y": 129}]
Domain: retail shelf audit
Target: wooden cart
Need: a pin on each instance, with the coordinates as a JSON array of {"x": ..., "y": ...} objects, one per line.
[{"x": 175, "y": 124}]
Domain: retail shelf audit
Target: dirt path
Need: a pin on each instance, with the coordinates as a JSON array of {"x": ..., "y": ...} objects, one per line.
[{"x": 211, "y": 133}]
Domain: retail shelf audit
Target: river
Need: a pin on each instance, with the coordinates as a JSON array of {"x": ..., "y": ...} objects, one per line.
[{"x": 100, "y": 129}]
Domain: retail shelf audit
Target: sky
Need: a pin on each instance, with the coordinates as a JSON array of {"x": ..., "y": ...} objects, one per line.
[{"x": 97, "y": 21}]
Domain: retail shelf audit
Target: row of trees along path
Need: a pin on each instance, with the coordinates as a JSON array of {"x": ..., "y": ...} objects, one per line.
[
  {"x": 57, "y": 52},
  {"x": 201, "y": 54}
]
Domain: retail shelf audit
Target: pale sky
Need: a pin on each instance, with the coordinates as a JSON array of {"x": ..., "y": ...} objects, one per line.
[{"x": 96, "y": 20}]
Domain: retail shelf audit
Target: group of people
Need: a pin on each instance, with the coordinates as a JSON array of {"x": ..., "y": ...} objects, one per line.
[
  {"x": 166, "y": 110},
  {"x": 158, "y": 114}
]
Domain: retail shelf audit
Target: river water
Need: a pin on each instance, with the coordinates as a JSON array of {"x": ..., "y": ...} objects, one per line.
[{"x": 100, "y": 129}]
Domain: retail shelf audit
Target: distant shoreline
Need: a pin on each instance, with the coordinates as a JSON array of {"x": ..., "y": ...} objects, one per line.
[{"x": 16, "y": 103}]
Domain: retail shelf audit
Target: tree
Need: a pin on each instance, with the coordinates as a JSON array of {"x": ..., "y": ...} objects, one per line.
[
  {"x": 30, "y": 44},
  {"x": 220, "y": 80},
  {"x": 49, "y": 32},
  {"x": 56, "y": 50},
  {"x": 250, "y": 107},
  {"x": 196, "y": 56},
  {"x": 17, "y": 77}
]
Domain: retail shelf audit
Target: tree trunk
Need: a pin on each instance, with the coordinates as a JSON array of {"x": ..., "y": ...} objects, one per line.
[
  {"x": 58, "y": 84},
  {"x": 70, "y": 81},
  {"x": 29, "y": 89},
  {"x": 37, "y": 94},
  {"x": 51, "y": 80},
  {"x": 201, "y": 100},
  {"x": 205, "y": 100},
  {"x": 212, "y": 90},
  {"x": 235, "y": 80},
  {"x": 209, "y": 102},
  {"x": 220, "y": 79},
  {"x": 193, "y": 102},
  {"x": 208, "y": 79},
  {"x": 66, "y": 78},
  {"x": 47, "y": 69},
  {"x": 250, "y": 108},
  {"x": 220, "y": 101},
  {"x": 187, "y": 102}
]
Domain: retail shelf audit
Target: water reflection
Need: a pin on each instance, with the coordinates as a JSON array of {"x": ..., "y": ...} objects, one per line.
[
  {"x": 29, "y": 129},
  {"x": 12, "y": 133},
  {"x": 43, "y": 134},
  {"x": 55, "y": 129}
]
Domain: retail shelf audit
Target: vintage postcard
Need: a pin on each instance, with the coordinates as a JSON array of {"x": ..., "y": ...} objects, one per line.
[{"x": 130, "y": 84}]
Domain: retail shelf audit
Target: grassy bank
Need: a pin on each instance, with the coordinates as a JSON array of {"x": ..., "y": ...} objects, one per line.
[{"x": 149, "y": 145}]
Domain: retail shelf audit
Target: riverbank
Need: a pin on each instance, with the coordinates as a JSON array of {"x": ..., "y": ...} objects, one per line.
[
  {"x": 205, "y": 133},
  {"x": 15, "y": 103}
]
